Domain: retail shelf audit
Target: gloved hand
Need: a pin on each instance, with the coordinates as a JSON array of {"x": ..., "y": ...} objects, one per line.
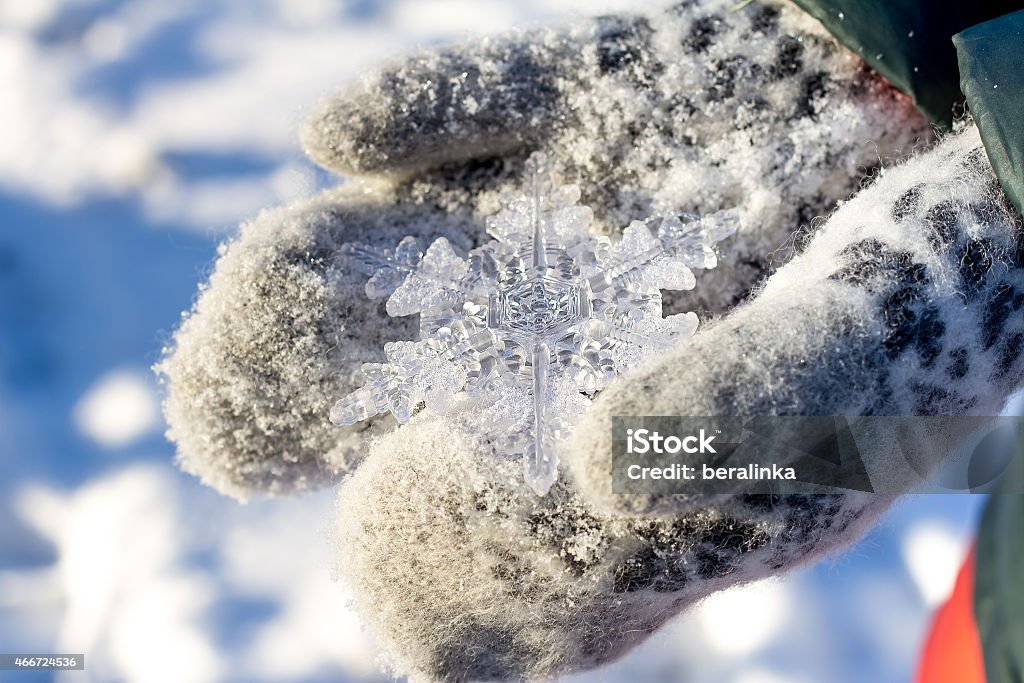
[
  {"x": 694, "y": 108},
  {"x": 907, "y": 301}
]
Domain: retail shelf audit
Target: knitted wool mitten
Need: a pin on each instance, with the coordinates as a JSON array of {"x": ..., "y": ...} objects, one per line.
[
  {"x": 692, "y": 108},
  {"x": 905, "y": 302},
  {"x": 464, "y": 574}
]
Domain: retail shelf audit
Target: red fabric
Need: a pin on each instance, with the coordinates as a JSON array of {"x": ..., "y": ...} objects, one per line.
[{"x": 952, "y": 653}]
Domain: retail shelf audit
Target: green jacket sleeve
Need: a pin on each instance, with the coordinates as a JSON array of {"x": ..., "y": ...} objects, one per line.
[{"x": 991, "y": 59}]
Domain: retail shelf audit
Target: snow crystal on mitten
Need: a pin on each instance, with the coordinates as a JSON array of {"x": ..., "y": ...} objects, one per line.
[{"x": 906, "y": 302}]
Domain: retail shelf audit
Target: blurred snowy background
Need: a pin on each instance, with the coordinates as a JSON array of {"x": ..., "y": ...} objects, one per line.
[{"x": 134, "y": 134}]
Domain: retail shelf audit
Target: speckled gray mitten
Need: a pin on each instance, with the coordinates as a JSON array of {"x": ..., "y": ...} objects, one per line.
[
  {"x": 690, "y": 108},
  {"x": 463, "y": 573},
  {"x": 908, "y": 301}
]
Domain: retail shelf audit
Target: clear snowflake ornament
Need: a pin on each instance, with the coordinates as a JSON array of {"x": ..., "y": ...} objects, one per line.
[{"x": 531, "y": 325}]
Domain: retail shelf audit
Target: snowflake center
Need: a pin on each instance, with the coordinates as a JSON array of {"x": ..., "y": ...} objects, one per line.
[{"x": 538, "y": 306}]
